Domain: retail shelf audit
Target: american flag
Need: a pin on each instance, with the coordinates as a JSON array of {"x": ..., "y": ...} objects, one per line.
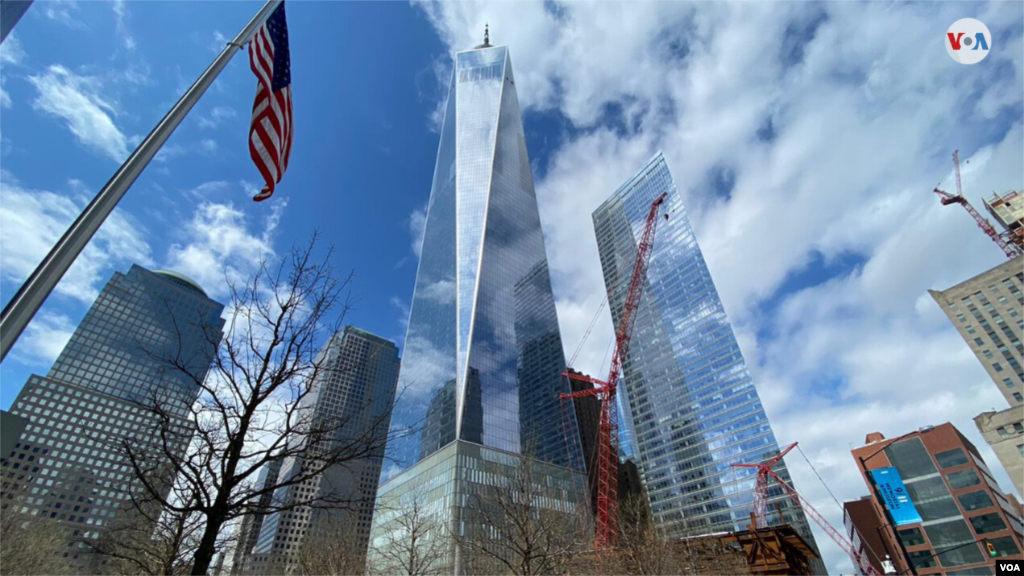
[{"x": 270, "y": 135}]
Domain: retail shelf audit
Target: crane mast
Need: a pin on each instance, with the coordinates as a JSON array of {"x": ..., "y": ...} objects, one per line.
[{"x": 607, "y": 454}]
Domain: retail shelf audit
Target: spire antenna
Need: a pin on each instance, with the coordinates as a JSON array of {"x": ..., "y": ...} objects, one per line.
[{"x": 487, "y": 34}]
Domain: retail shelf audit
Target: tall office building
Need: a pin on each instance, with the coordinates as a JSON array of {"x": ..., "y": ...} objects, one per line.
[
  {"x": 481, "y": 373},
  {"x": 952, "y": 505},
  {"x": 67, "y": 465},
  {"x": 987, "y": 312},
  {"x": 356, "y": 388},
  {"x": 249, "y": 531},
  {"x": 1008, "y": 210},
  {"x": 689, "y": 403}
]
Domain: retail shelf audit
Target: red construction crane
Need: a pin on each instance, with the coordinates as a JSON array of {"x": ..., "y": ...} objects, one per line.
[
  {"x": 761, "y": 504},
  {"x": 1008, "y": 248},
  {"x": 607, "y": 452}
]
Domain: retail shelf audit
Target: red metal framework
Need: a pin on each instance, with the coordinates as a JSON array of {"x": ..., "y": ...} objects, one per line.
[
  {"x": 1008, "y": 248},
  {"x": 761, "y": 504},
  {"x": 607, "y": 438}
]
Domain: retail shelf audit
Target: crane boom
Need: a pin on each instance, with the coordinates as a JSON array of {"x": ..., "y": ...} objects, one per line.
[
  {"x": 1011, "y": 250},
  {"x": 760, "y": 503},
  {"x": 607, "y": 454}
]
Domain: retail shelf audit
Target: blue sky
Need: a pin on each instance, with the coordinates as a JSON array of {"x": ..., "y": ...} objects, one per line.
[{"x": 805, "y": 138}]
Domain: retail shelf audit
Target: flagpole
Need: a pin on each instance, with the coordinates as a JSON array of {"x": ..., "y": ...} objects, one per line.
[{"x": 20, "y": 310}]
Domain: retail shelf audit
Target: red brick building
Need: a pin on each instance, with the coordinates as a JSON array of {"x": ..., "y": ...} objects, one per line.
[{"x": 952, "y": 489}]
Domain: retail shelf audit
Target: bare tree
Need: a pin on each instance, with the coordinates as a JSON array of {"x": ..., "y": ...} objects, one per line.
[
  {"x": 332, "y": 549},
  {"x": 30, "y": 544},
  {"x": 256, "y": 405},
  {"x": 520, "y": 530},
  {"x": 642, "y": 550},
  {"x": 415, "y": 545},
  {"x": 146, "y": 539}
]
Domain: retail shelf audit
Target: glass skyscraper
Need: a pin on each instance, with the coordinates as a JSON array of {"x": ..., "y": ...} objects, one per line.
[
  {"x": 481, "y": 370},
  {"x": 690, "y": 407},
  {"x": 67, "y": 466}
]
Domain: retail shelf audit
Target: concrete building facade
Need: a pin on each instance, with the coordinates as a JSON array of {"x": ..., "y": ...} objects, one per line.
[
  {"x": 1008, "y": 210},
  {"x": 988, "y": 312},
  {"x": 249, "y": 531},
  {"x": 960, "y": 505},
  {"x": 355, "y": 388},
  {"x": 1004, "y": 432}
]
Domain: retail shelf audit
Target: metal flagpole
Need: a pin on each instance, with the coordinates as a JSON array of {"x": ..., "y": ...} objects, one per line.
[{"x": 20, "y": 310}]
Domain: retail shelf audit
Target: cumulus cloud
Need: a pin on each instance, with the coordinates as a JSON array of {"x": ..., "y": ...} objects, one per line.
[
  {"x": 31, "y": 222},
  {"x": 79, "y": 101},
  {"x": 804, "y": 139},
  {"x": 221, "y": 247}
]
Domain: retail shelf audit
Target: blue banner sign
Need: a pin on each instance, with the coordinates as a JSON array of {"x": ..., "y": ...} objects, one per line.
[{"x": 890, "y": 485}]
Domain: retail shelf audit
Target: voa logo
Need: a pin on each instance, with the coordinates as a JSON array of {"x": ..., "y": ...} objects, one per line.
[{"x": 968, "y": 41}]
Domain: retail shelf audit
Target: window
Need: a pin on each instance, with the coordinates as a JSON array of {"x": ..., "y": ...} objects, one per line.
[
  {"x": 963, "y": 478},
  {"x": 978, "y": 571},
  {"x": 911, "y": 537},
  {"x": 910, "y": 458},
  {"x": 997, "y": 366},
  {"x": 948, "y": 459},
  {"x": 986, "y": 523},
  {"x": 952, "y": 542},
  {"x": 1018, "y": 397},
  {"x": 975, "y": 500},
  {"x": 1005, "y": 546},
  {"x": 922, "y": 559},
  {"x": 987, "y": 353},
  {"x": 1007, "y": 382}
]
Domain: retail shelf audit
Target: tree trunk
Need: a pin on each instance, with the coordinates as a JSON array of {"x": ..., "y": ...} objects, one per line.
[{"x": 207, "y": 546}]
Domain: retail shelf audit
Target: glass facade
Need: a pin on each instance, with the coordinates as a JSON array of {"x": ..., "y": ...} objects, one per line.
[
  {"x": 481, "y": 368},
  {"x": 483, "y": 354},
  {"x": 690, "y": 406},
  {"x": 139, "y": 323},
  {"x": 67, "y": 463}
]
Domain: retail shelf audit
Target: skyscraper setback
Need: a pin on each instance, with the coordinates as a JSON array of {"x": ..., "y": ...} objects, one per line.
[
  {"x": 481, "y": 373},
  {"x": 67, "y": 465},
  {"x": 690, "y": 405}
]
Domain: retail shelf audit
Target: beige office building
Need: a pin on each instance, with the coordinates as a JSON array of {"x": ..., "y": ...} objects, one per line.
[
  {"x": 1004, "y": 432},
  {"x": 987, "y": 311}
]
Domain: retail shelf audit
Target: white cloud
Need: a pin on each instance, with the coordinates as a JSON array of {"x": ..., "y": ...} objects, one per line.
[
  {"x": 79, "y": 101},
  {"x": 120, "y": 15},
  {"x": 5, "y": 98},
  {"x": 836, "y": 121},
  {"x": 219, "y": 42},
  {"x": 62, "y": 11},
  {"x": 11, "y": 51},
  {"x": 208, "y": 145},
  {"x": 44, "y": 338},
  {"x": 220, "y": 246},
  {"x": 216, "y": 116},
  {"x": 31, "y": 222},
  {"x": 417, "y": 223}
]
